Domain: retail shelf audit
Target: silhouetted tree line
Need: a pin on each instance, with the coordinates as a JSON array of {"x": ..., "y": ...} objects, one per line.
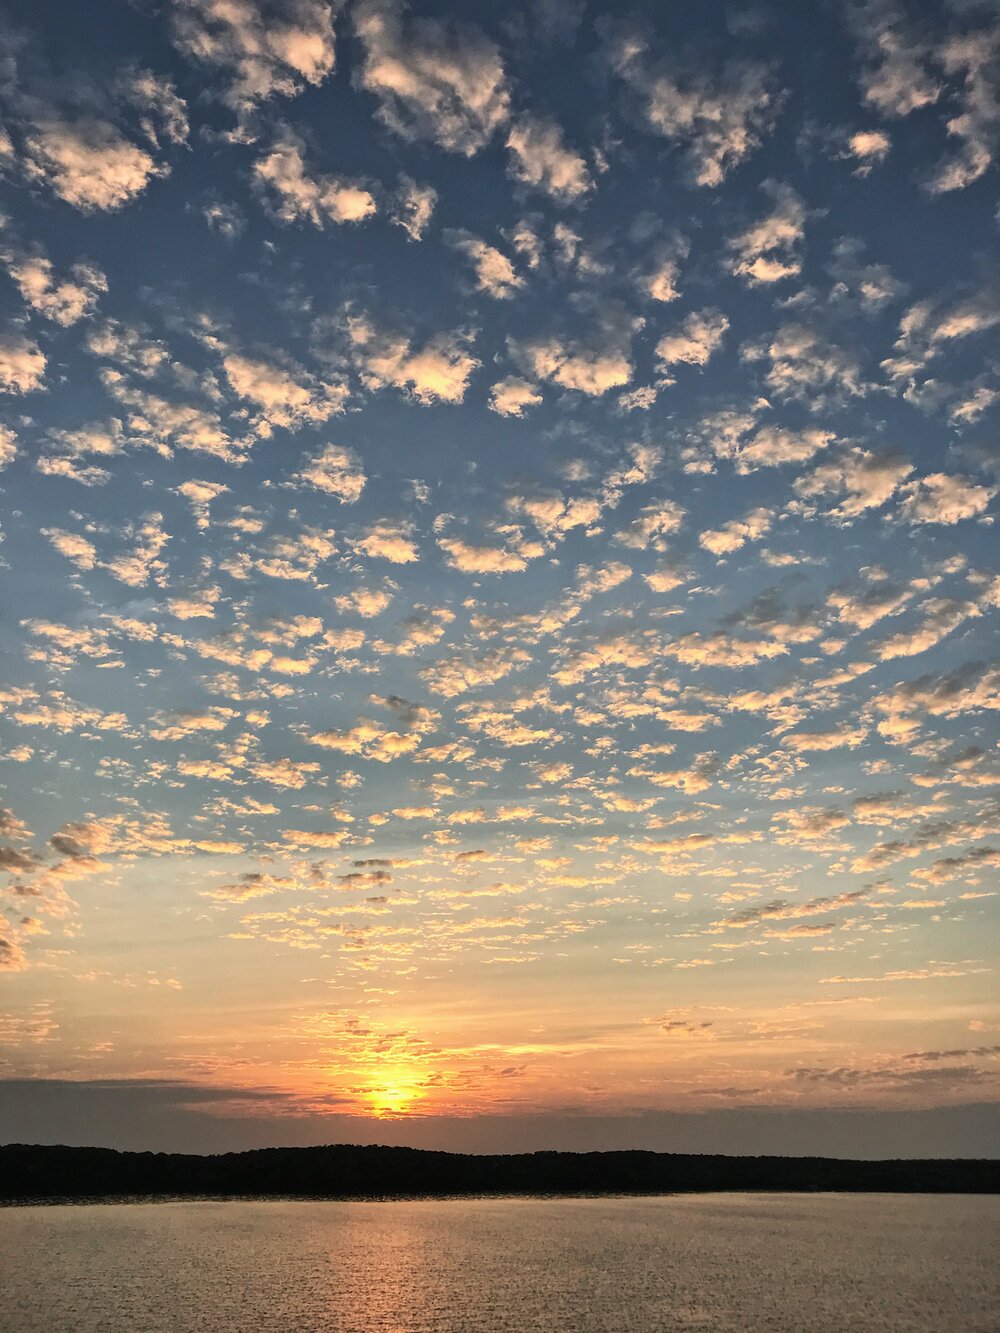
[{"x": 345, "y": 1171}]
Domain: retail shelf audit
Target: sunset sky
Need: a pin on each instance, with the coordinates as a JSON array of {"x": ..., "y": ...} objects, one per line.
[{"x": 499, "y": 570}]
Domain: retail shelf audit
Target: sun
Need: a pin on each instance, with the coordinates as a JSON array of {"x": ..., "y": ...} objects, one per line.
[{"x": 394, "y": 1096}]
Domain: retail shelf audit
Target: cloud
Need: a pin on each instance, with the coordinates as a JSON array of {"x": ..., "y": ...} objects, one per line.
[
  {"x": 804, "y": 366},
  {"x": 22, "y": 364},
  {"x": 12, "y": 956},
  {"x": 767, "y": 251},
  {"x": 335, "y": 470},
  {"x": 774, "y": 446},
  {"x": 78, "y": 549},
  {"x": 865, "y": 480},
  {"x": 285, "y": 774},
  {"x": 226, "y": 219},
  {"x": 967, "y": 689},
  {"x": 286, "y": 396},
  {"x": 450, "y": 676},
  {"x": 164, "y": 113},
  {"x": 927, "y": 329},
  {"x": 165, "y": 424},
  {"x": 295, "y": 195},
  {"x": 942, "y": 497},
  {"x": 8, "y": 447},
  {"x": 267, "y": 48},
  {"x": 718, "y": 120},
  {"x": 737, "y": 532},
  {"x": 388, "y": 539},
  {"x": 693, "y": 343},
  {"x": 495, "y": 274},
  {"x": 199, "y": 495},
  {"x": 870, "y": 148},
  {"x": 652, "y": 523},
  {"x": 894, "y": 79},
  {"x": 437, "y": 372},
  {"x": 512, "y": 396},
  {"x": 780, "y": 910},
  {"x": 836, "y": 739},
  {"x": 699, "y": 777},
  {"x": 412, "y": 207},
  {"x": 540, "y": 160},
  {"x": 433, "y": 79},
  {"x": 369, "y": 740},
  {"x": 89, "y": 163},
  {"x": 574, "y": 366},
  {"x": 138, "y": 565},
  {"x": 908, "y": 69},
  {"x": 367, "y": 602},
  {"x": 590, "y": 365},
  {"x": 553, "y": 513},
  {"x": 486, "y": 558},
  {"x": 973, "y": 58},
  {"x": 64, "y": 302},
  {"x": 941, "y": 616}
]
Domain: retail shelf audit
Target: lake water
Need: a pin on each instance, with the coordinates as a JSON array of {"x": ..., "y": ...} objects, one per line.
[{"x": 805, "y": 1263}]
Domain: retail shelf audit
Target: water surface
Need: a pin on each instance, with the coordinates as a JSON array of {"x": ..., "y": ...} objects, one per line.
[{"x": 694, "y": 1262}]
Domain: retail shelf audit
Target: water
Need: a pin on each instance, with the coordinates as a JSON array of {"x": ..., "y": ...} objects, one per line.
[{"x": 803, "y": 1263}]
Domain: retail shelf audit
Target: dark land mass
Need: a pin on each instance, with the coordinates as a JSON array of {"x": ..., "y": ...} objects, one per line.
[{"x": 345, "y": 1171}]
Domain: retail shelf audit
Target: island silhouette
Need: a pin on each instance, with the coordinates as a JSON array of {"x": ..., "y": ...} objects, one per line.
[{"x": 349, "y": 1171}]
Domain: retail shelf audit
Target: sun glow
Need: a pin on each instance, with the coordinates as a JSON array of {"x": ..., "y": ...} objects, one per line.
[{"x": 395, "y": 1095}]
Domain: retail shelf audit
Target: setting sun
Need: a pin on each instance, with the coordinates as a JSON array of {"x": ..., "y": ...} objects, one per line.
[{"x": 394, "y": 1096}]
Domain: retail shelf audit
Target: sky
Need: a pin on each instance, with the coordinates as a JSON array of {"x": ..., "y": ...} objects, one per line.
[{"x": 499, "y": 574}]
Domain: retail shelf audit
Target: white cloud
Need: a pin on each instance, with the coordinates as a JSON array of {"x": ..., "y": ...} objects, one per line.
[
  {"x": 482, "y": 558},
  {"x": 495, "y": 274},
  {"x": 89, "y": 163},
  {"x": 693, "y": 343},
  {"x": 297, "y": 196},
  {"x": 267, "y": 49},
  {"x": 773, "y": 446},
  {"x": 805, "y": 366},
  {"x": 512, "y": 396},
  {"x": 22, "y": 364},
  {"x": 412, "y": 207},
  {"x": 285, "y": 394},
  {"x": 926, "y": 331},
  {"x": 165, "y": 114},
  {"x": 225, "y": 218},
  {"x": 766, "y": 252},
  {"x": 336, "y": 470},
  {"x": 942, "y": 497},
  {"x": 64, "y": 302},
  {"x": 737, "y": 532},
  {"x": 433, "y": 80},
  {"x": 870, "y": 148},
  {"x": 200, "y": 494},
  {"x": 895, "y": 79},
  {"x": 8, "y": 446},
  {"x": 653, "y": 522},
  {"x": 974, "y": 58},
  {"x": 388, "y": 540},
  {"x": 457, "y": 675},
  {"x": 78, "y": 549},
  {"x": 863, "y": 479},
  {"x": 719, "y": 121},
  {"x": 437, "y": 372},
  {"x": 941, "y": 616},
  {"x": 590, "y": 365},
  {"x": 907, "y": 70},
  {"x": 574, "y": 366},
  {"x": 540, "y": 159}
]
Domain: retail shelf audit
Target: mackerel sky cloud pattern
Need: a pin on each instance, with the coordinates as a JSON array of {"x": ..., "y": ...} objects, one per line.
[{"x": 499, "y": 553}]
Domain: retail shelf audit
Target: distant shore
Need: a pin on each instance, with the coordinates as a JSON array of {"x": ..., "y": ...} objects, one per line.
[{"x": 38, "y": 1173}]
